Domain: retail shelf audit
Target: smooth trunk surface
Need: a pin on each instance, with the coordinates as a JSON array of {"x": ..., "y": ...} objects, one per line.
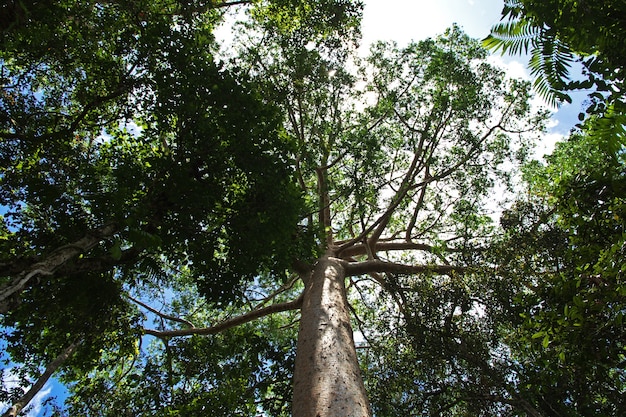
[{"x": 327, "y": 379}]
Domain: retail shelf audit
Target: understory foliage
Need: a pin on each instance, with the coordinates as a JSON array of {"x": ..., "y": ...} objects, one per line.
[{"x": 165, "y": 198}]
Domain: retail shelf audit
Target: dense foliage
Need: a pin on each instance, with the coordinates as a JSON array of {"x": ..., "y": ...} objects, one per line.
[
  {"x": 566, "y": 243},
  {"x": 129, "y": 153},
  {"x": 165, "y": 199}
]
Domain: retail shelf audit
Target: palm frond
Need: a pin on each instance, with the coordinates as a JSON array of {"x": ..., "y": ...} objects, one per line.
[{"x": 550, "y": 59}]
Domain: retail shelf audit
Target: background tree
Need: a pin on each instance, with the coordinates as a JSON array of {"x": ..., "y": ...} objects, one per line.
[
  {"x": 566, "y": 234},
  {"x": 566, "y": 243},
  {"x": 128, "y": 151}
]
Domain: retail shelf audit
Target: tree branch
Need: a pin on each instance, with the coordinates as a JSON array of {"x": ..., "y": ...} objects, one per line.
[
  {"x": 227, "y": 324},
  {"x": 53, "y": 261},
  {"x": 97, "y": 264},
  {"x": 160, "y": 314},
  {"x": 41, "y": 381},
  {"x": 230, "y": 3},
  {"x": 324, "y": 210},
  {"x": 418, "y": 207},
  {"x": 288, "y": 285},
  {"x": 361, "y": 249},
  {"x": 375, "y": 265}
]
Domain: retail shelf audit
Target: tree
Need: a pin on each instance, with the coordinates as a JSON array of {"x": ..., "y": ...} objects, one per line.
[
  {"x": 101, "y": 151},
  {"x": 565, "y": 237},
  {"x": 184, "y": 185}
]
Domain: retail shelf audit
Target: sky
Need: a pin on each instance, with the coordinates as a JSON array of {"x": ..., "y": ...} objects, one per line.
[{"x": 405, "y": 20}]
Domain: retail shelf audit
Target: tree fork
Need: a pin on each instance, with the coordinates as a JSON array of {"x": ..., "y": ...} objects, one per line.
[{"x": 327, "y": 378}]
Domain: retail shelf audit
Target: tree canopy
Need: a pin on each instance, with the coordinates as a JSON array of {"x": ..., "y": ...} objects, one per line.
[
  {"x": 564, "y": 240},
  {"x": 189, "y": 229}
]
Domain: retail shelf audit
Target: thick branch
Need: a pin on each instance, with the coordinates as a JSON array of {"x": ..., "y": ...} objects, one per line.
[
  {"x": 101, "y": 263},
  {"x": 324, "y": 213},
  {"x": 375, "y": 265},
  {"x": 53, "y": 261},
  {"x": 418, "y": 207},
  {"x": 361, "y": 249},
  {"x": 397, "y": 199},
  {"x": 420, "y": 156},
  {"x": 231, "y": 3},
  {"x": 227, "y": 324}
]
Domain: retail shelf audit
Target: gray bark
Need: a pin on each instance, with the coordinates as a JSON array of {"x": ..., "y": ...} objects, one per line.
[
  {"x": 54, "y": 260},
  {"x": 327, "y": 378}
]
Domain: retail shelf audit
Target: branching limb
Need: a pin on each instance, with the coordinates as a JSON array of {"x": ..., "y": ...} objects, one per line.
[
  {"x": 361, "y": 249},
  {"x": 160, "y": 314},
  {"x": 378, "y": 227},
  {"x": 375, "y": 265},
  {"x": 53, "y": 261},
  {"x": 101, "y": 263},
  {"x": 324, "y": 209},
  {"x": 230, "y": 323},
  {"x": 41, "y": 381},
  {"x": 418, "y": 206}
]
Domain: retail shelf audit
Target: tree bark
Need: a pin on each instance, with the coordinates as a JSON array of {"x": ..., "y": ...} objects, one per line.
[
  {"x": 41, "y": 381},
  {"x": 327, "y": 378}
]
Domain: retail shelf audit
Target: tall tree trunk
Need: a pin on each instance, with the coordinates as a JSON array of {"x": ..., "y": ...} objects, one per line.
[
  {"x": 327, "y": 378},
  {"x": 41, "y": 381}
]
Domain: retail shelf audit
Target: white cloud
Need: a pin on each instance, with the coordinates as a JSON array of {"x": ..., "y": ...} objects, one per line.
[
  {"x": 512, "y": 68},
  {"x": 406, "y": 20},
  {"x": 546, "y": 146},
  {"x": 36, "y": 403}
]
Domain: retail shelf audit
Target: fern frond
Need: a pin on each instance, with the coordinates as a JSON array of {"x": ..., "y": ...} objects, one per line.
[
  {"x": 514, "y": 37},
  {"x": 549, "y": 65}
]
